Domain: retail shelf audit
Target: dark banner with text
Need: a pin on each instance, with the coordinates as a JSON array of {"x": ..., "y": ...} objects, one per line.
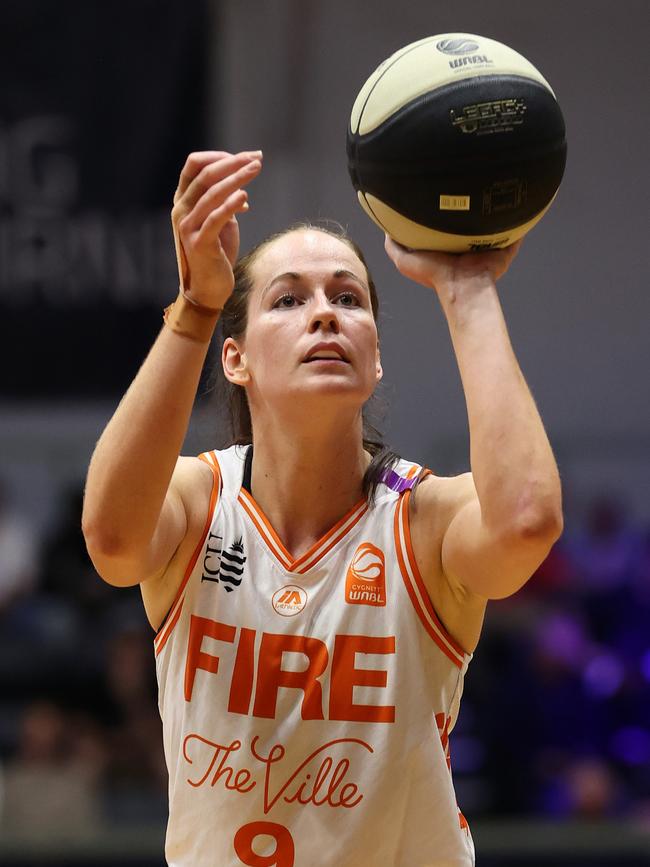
[{"x": 99, "y": 107}]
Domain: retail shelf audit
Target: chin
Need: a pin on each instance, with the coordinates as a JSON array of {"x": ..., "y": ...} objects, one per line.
[{"x": 345, "y": 393}]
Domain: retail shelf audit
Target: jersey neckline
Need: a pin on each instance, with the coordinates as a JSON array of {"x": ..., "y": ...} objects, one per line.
[
  {"x": 315, "y": 553},
  {"x": 305, "y": 562}
]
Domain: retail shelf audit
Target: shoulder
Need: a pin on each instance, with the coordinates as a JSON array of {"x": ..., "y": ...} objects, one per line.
[
  {"x": 432, "y": 506},
  {"x": 437, "y": 498},
  {"x": 196, "y": 483},
  {"x": 193, "y": 481},
  {"x": 191, "y": 490}
]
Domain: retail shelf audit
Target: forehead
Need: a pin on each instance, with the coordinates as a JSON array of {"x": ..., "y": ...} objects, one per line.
[{"x": 306, "y": 251}]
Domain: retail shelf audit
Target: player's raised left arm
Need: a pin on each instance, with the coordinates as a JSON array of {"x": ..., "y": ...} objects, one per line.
[{"x": 508, "y": 513}]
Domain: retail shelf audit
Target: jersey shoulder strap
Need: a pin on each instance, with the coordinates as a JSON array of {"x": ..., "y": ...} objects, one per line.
[{"x": 230, "y": 464}]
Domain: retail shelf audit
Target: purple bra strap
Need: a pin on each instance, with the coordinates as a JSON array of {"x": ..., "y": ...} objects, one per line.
[{"x": 396, "y": 482}]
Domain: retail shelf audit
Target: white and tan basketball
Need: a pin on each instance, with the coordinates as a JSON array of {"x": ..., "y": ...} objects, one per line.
[{"x": 456, "y": 143}]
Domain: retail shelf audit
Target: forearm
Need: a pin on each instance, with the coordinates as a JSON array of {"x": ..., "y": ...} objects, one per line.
[
  {"x": 133, "y": 461},
  {"x": 513, "y": 466}
]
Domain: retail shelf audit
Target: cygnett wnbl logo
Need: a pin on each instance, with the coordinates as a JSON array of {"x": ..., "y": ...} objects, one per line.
[{"x": 365, "y": 582}]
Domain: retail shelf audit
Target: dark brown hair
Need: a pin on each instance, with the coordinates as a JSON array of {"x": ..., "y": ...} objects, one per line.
[{"x": 233, "y": 324}]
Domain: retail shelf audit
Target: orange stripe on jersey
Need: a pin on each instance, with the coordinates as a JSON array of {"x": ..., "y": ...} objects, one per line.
[
  {"x": 265, "y": 529},
  {"x": 171, "y": 622},
  {"x": 209, "y": 458},
  {"x": 423, "y": 472},
  {"x": 420, "y": 583},
  {"x": 317, "y": 551},
  {"x": 338, "y": 531},
  {"x": 420, "y": 600},
  {"x": 174, "y": 612}
]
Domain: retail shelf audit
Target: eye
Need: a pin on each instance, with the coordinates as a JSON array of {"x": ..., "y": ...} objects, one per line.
[
  {"x": 287, "y": 300},
  {"x": 348, "y": 299}
]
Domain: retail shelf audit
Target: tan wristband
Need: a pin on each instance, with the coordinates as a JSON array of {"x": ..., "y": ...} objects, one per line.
[{"x": 190, "y": 319}]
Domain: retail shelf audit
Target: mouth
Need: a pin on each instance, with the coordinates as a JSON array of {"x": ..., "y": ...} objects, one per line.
[{"x": 326, "y": 354}]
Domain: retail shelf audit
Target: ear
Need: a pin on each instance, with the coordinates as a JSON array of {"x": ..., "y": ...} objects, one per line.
[{"x": 233, "y": 361}]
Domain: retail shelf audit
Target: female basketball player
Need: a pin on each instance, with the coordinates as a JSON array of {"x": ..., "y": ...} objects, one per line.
[{"x": 315, "y": 617}]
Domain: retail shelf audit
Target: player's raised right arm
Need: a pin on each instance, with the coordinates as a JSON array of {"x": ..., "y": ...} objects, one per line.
[{"x": 135, "y": 515}]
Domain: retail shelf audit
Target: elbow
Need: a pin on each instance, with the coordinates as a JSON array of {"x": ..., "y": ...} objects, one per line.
[
  {"x": 540, "y": 514},
  {"x": 109, "y": 556},
  {"x": 99, "y": 539},
  {"x": 547, "y": 525}
]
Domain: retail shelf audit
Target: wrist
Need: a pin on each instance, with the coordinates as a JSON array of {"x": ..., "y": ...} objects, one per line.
[
  {"x": 460, "y": 298},
  {"x": 191, "y": 319},
  {"x": 460, "y": 289}
]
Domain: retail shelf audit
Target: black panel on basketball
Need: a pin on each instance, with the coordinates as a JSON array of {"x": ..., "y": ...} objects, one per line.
[{"x": 428, "y": 149}]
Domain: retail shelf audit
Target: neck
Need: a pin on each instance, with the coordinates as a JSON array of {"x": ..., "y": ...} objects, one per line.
[{"x": 306, "y": 479}]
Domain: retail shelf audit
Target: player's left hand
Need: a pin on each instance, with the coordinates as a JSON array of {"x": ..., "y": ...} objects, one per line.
[{"x": 442, "y": 271}]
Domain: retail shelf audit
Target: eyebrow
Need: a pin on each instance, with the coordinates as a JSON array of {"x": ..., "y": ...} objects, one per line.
[{"x": 295, "y": 277}]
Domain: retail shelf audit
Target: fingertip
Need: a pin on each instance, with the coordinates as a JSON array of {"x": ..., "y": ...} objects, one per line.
[{"x": 242, "y": 206}]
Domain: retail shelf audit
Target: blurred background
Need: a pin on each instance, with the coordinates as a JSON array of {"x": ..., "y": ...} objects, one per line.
[{"x": 100, "y": 104}]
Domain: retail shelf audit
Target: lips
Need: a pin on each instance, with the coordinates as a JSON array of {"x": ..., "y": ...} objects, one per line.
[{"x": 326, "y": 352}]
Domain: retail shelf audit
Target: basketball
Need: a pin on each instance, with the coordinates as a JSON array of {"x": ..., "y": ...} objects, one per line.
[{"x": 456, "y": 143}]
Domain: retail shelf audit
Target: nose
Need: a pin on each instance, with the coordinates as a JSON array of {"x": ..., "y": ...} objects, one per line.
[{"x": 323, "y": 315}]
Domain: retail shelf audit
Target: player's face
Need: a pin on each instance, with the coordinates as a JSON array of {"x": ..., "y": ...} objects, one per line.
[{"x": 310, "y": 327}]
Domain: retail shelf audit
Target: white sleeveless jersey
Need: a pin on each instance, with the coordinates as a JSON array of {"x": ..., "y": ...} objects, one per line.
[{"x": 307, "y": 703}]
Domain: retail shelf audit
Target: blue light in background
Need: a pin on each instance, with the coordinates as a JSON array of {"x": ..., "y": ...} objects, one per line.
[
  {"x": 603, "y": 675},
  {"x": 631, "y": 745},
  {"x": 645, "y": 664}
]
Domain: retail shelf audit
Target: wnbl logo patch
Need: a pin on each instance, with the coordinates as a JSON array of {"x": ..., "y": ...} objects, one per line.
[
  {"x": 365, "y": 582},
  {"x": 221, "y": 566}
]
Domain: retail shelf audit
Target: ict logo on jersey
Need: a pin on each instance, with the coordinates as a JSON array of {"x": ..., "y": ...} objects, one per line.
[
  {"x": 223, "y": 566},
  {"x": 365, "y": 582},
  {"x": 289, "y": 600}
]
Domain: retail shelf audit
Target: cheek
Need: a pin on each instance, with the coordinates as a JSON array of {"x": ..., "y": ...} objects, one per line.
[
  {"x": 369, "y": 341},
  {"x": 269, "y": 349}
]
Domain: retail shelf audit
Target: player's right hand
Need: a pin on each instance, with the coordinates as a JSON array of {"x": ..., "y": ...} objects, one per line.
[{"x": 209, "y": 195}]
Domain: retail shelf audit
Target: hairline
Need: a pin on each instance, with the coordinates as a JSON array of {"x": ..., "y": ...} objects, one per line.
[{"x": 264, "y": 245}]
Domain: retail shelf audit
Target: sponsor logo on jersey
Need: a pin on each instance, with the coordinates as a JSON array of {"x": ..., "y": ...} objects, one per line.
[
  {"x": 289, "y": 600},
  {"x": 457, "y": 46},
  {"x": 365, "y": 582},
  {"x": 225, "y": 567}
]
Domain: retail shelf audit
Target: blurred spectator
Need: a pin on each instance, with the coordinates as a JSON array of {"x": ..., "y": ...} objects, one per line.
[
  {"x": 67, "y": 571},
  {"x": 604, "y": 554},
  {"x": 18, "y": 551},
  {"x": 584, "y": 789},
  {"x": 51, "y": 783},
  {"x": 135, "y": 780}
]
